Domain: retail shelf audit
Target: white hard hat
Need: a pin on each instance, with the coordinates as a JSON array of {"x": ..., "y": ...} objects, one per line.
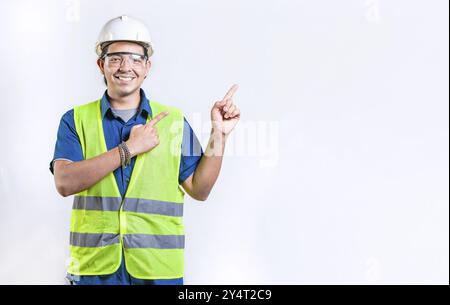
[{"x": 124, "y": 28}]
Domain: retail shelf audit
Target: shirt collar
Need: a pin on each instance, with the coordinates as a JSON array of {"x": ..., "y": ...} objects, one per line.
[{"x": 144, "y": 105}]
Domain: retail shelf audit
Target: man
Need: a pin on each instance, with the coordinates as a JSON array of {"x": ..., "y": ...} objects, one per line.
[{"x": 124, "y": 157}]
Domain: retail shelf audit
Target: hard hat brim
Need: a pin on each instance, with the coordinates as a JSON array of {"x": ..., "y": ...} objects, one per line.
[{"x": 100, "y": 46}]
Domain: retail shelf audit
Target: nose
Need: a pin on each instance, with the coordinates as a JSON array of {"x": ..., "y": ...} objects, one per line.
[{"x": 125, "y": 65}]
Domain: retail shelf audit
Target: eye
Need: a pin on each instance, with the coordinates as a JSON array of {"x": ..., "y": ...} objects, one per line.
[
  {"x": 137, "y": 58},
  {"x": 114, "y": 59}
]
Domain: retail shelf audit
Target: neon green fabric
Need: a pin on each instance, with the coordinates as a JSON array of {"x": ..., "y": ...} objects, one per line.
[{"x": 147, "y": 222}]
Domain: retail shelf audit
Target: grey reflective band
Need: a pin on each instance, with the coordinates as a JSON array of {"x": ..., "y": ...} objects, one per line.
[
  {"x": 93, "y": 239},
  {"x": 96, "y": 203},
  {"x": 153, "y": 207},
  {"x": 153, "y": 241}
]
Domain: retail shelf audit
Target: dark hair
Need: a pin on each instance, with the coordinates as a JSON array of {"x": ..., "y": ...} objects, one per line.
[{"x": 104, "y": 48}]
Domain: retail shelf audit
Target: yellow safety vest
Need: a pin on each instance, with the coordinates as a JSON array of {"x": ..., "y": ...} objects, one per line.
[{"x": 147, "y": 222}]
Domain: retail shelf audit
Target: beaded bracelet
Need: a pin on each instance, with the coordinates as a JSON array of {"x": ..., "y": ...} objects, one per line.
[
  {"x": 122, "y": 155},
  {"x": 127, "y": 154}
]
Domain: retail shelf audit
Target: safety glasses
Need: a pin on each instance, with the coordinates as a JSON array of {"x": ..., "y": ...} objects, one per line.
[{"x": 115, "y": 60}]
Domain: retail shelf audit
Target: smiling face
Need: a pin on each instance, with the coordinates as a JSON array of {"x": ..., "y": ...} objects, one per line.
[{"x": 124, "y": 77}]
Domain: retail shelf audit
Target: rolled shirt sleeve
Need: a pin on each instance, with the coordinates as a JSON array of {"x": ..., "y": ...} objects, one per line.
[
  {"x": 68, "y": 146},
  {"x": 191, "y": 153}
]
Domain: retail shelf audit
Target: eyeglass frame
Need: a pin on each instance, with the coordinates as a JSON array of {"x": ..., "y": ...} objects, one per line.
[{"x": 143, "y": 56}]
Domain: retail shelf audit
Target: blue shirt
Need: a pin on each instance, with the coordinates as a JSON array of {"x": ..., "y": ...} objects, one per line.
[{"x": 115, "y": 131}]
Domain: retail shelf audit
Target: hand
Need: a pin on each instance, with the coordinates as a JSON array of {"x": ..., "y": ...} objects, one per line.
[
  {"x": 224, "y": 114},
  {"x": 144, "y": 138}
]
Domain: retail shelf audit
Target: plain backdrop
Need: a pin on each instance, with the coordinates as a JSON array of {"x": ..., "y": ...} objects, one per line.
[{"x": 338, "y": 171}]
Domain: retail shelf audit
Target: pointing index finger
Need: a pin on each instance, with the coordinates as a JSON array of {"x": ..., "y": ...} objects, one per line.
[
  {"x": 157, "y": 118},
  {"x": 230, "y": 92}
]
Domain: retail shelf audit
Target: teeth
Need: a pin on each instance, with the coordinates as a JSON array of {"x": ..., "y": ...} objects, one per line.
[{"x": 125, "y": 78}]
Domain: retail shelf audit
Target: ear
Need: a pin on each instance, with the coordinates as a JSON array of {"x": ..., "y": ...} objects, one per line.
[
  {"x": 101, "y": 65},
  {"x": 147, "y": 68}
]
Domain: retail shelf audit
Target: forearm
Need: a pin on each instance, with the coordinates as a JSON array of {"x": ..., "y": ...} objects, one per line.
[
  {"x": 207, "y": 172},
  {"x": 75, "y": 177}
]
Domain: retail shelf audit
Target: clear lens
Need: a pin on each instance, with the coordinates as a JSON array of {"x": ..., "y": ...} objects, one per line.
[{"x": 115, "y": 60}]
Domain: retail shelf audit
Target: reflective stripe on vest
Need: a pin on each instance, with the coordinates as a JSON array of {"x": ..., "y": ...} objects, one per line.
[
  {"x": 93, "y": 239},
  {"x": 147, "y": 222},
  {"x": 97, "y": 203},
  {"x": 129, "y": 240}
]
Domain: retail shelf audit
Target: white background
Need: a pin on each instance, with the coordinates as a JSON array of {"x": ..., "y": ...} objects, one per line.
[{"x": 349, "y": 178}]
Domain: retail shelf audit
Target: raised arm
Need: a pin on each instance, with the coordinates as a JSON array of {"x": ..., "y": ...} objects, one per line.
[{"x": 224, "y": 117}]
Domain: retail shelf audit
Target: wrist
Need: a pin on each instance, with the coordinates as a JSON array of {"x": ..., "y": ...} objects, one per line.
[
  {"x": 218, "y": 135},
  {"x": 130, "y": 148}
]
